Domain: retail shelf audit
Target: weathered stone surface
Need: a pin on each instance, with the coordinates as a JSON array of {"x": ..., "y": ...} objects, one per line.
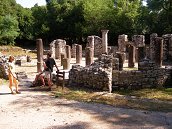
[
  {"x": 59, "y": 48},
  {"x": 97, "y": 43},
  {"x": 120, "y": 56},
  {"x": 3, "y": 70},
  {"x": 98, "y": 75},
  {"x": 159, "y": 51},
  {"x": 74, "y": 50},
  {"x": 78, "y": 54},
  {"x": 131, "y": 56},
  {"x": 39, "y": 46},
  {"x": 167, "y": 47},
  {"x": 141, "y": 53},
  {"x": 89, "y": 55},
  {"x": 104, "y": 41},
  {"x": 52, "y": 48},
  {"x": 62, "y": 56},
  {"x": 139, "y": 40},
  {"x": 152, "y": 46},
  {"x": 68, "y": 52},
  {"x": 66, "y": 63},
  {"x": 122, "y": 40}
]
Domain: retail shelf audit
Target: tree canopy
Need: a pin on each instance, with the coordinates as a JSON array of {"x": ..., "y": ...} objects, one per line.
[{"x": 74, "y": 20}]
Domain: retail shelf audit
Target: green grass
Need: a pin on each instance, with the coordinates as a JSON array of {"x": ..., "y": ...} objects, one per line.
[
  {"x": 160, "y": 94},
  {"x": 87, "y": 95}
]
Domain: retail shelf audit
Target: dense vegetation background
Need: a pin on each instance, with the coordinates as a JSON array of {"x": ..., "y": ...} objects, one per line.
[{"x": 74, "y": 20}]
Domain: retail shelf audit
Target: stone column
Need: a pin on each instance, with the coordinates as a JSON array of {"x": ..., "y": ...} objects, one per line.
[
  {"x": 104, "y": 41},
  {"x": 131, "y": 56},
  {"x": 52, "y": 48},
  {"x": 139, "y": 40},
  {"x": 92, "y": 42},
  {"x": 141, "y": 53},
  {"x": 89, "y": 56},
  {"x": 68, "y": 52},
  {"x": 122, "y": 39},
  {"x": 159, "y": 51},
  {"x": 74, "y": 50},
  {"x": 121, "y": 60},
  {"x": 39, "y": 46},
  {"x": 57, "y": 50},
  {"x": 136, "y": 55},
  {"x": 152, "y": 46},
  {"x": 62, "y": 56},
  {"x": 78, "y": 54},
  {"x": 66, "y": 63}
]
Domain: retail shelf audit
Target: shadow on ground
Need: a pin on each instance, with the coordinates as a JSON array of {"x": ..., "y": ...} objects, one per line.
[{"x": 100, "y": 112}]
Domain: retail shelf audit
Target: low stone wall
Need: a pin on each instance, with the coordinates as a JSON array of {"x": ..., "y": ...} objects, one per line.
[
  {"x": 3, "y": 68},
  {"x": 98, "y": 75},
  {"x": 103, "y": 74},
  {"x": 148, "y": 75}
]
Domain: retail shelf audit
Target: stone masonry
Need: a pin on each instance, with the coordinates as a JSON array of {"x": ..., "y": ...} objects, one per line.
[{"x": 98, "y": 75}]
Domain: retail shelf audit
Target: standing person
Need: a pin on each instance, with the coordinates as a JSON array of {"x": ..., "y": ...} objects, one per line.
[
  {"x": 12, "y": 76},
  {"x": 48, "y": 67}
]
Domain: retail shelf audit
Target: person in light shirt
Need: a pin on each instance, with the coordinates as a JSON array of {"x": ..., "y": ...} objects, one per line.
[{"x": 12, "y": 76}]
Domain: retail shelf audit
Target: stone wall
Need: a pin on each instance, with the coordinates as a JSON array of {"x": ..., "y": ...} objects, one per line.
[
  {"x": 98, "y": 75},
  {"x": 148, "y": 75},
  {"x": 3, "y": 67}
]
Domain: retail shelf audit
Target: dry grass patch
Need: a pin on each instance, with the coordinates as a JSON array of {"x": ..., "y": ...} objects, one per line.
[
  {"x": 87, "y": 95},
  {"x": 15, "y": 51},
  {"x": 164, "y": 94}
]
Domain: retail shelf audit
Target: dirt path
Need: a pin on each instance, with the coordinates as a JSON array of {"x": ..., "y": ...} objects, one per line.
[{"x": 39, "y": 110}]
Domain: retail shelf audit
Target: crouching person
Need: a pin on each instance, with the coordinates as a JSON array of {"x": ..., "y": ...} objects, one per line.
[{"x": 42, "y": 77}]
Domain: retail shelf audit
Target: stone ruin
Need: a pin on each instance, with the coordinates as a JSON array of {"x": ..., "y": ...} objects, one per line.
[
  {"x": 98, "y": 75},
  {"x": 3, "y": 67},
  {"x": 150, "y": 72},
  {"x": 57, "y": 47},
  {"x": 19, "y": 60},
  {"x": 107, "y": 71}
]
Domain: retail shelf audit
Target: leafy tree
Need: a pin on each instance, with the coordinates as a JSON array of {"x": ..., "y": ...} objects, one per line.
[
  {"x": 8, "y": 29},
  {"x": 160, "y": 13},
  {"x": 26, "y": 22},
  {"x": 40, "y": 22},
  {"x": 7, "y": 7}
]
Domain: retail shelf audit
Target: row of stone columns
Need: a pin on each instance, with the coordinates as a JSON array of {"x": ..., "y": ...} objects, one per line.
[{"x": 66, "y": 58}]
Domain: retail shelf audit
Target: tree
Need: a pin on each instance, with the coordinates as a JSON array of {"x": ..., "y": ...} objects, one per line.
[
  {"x": 160, "y": 13},
  {"x": 40, "y": 22},
  {"x": 25, "y": 19},
  {"x": 8, "y": 29}
]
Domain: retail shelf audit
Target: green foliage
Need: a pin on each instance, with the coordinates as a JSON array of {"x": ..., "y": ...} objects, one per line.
[
  {"x": 26, "y": 22},
  {"x": 8, "y": 29},
  {"x": 40, "y": 25},
  {"x": 97, "y": 15},
  {"x": 7, "y": 7},
  {"x": 160, "y": 16},
  {"x": 74, "y": 20}
]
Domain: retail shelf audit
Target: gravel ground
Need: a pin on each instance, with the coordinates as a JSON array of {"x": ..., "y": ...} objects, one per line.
[{"x": 39, "y": 110}]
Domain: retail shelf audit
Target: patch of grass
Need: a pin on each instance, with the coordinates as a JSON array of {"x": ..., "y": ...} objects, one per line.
[
  {"x": 160, "y": 94},
  {"x": 15, "y": 51},
  {"x": 87, "y": 95}
]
